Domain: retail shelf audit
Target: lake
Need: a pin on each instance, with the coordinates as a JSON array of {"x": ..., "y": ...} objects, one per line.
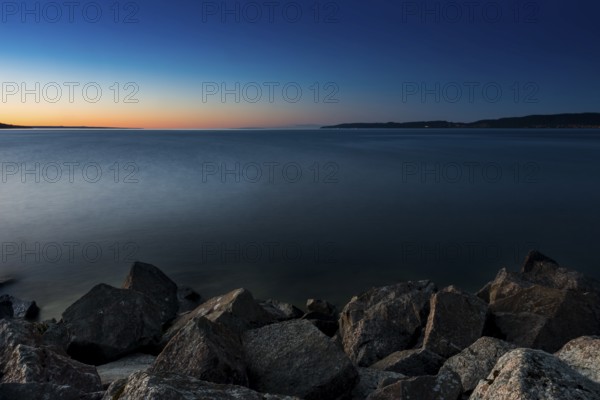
[{"x": 291, "y": 214}]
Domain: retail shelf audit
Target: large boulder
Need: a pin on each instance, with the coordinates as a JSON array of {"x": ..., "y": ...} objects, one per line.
[
  {"x": 543, "y": 306},
  {"x": 476, "y": 361},
  {"x": 109, "y": 323},
  {"x": 413, "y": 362},
  {"x": 583, "y": 355},
  {"x": 170, "y": 386},
  {"x": 17, "y": 308},
  {"x": 124, "y": 367},
  {"x": 205, "y": 350},
  {"x": 444, "y": 386},
  {"x": 321, "y": 306},
  {"x": 456, "y": 320},
  {"x": 370, "y": 380},
  {"x": 281, "y": 311},
  {"x": 525, "y": 374},
  {"x": 294, "y": 358},
  {"x": 237, "y": 310},
  {"x": 44, "y": 391},
  {"x": 151, "y": 281},
  {"x": 384, "y": 320}
]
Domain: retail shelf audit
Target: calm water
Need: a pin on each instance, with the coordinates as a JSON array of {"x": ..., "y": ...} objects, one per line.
[{"x": 291, "y": 214}]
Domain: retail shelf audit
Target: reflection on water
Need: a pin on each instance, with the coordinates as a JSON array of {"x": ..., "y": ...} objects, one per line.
[{"x": 290, "y": 214}]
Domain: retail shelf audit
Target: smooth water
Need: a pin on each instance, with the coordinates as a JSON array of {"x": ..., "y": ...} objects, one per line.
[{"x": 291, "y": 214}]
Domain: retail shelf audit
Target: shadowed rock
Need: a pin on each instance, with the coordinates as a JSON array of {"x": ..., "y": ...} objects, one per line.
[
  {"x": 370, "y": 380},
  {"x": 411, "y": 362},
  {"x": 294, "y": 358},
  {"x": 188, "y": 299},
  {"x": 526, "y": 374},
  {"x": 109, "y": 323},
  {"x": 124, "y": 367},
  {"x": 384, "y": 320},
  {"x": 18, "y": 308},
  {"x": 44, "y": 391},
  {"x": 205, "y": 350},
  {"x": 444, "y": 386},
  {"x": 281, "y": 311}
]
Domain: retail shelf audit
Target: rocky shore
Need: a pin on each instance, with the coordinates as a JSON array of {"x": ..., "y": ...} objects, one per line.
[{"x": 525, "y": 335}]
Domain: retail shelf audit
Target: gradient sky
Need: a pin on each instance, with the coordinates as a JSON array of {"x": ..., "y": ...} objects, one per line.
[{"x": 382, "y": 60}]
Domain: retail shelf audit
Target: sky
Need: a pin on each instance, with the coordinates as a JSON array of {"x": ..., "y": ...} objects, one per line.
[{"x": 235, "y": 64}]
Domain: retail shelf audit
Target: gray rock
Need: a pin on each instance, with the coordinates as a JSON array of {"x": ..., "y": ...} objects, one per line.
[
  {"x": 14, "y": 333},
  {"x": 205, "y": 350},
  {"x": 188, "y": 299},
  {"x": 372, "y": 379},
  {"x": 384, "y": 320},
  {"x": 294, "y": 358},
  {"x": 44, "y": 391},
  {"x": 109, "y": 323},
  {"x": 20, "y": 308},
  {"x": 413, "y": 362},
  {"x": 321, "y": 306},
  {"x": 583, "y": 355},
  {"x": 444, "y": 386},
  {"x": 281, "y": 311},
  {"x": 237, "y": 310},
  {"x": 456, "y": 320},
  {"x": 124, "y": 367},
  {"x": 151, "y": 281},
  {"x": 477, "y": 361},
  {"x": 168, "y": 386},
  {"x": 527, "y": 374}
]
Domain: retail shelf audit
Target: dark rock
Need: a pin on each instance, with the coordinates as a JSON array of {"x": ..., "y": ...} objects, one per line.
[
  {"x": 384, "y": 320},
  {"x": 583, "y": 355},
  {"x": 281, "y": 311},
  {"x": 188, "y": 299},
  {"x": 372, "y": 379},
  {"x": 324, "y": 322},
  {"x": 527, "y": 374},
  {"x": 543, "y": 306},
  {"x": 477, "y": 361},
  {"x": 295, "y": 358},
  {"x": 414, "y": 362},
  {"x": 456, "y": 320},
  {"x": 20, "y": 308},
  {"x": 151, "y": 281},
  {"x": 109, "y": 323},
  {"x": 124, "y": 367},
  {"x": 205, "y": 350},
  {"x": 169, "y": 386},
  {"x": 444, "y": 386},
  {"x": 237, "y": 310},
  {"x": 6, "y": 309},
  {"x": 44, "y": 391},
  {"x": 55, "y": 336},
  {"x": 321, "y": 306}
]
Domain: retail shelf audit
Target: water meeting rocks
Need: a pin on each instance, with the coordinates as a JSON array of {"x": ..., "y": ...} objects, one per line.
[
  {"x": 108, "y": 323},
  {"x": 294, "y": 358},
  {"x": 384, "y": 320},
  {"x": 171, "y": 386},
  {"x": 527, "y": 374},
  {"x": 205, "y": 350}
]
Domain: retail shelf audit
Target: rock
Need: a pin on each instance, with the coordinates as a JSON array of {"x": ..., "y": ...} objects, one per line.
[
  {"x": 321, "y": 306},
  {"x": 325, "y": 323},
  {"x": 476, "y": 361},
  {"x": 372, "y": 379},
  {"x": 20, "y": 308},
  {"x": 294, "y": 358},
  {"x": 188, "y": 299},
  {"x": 56, "y": 336},
  {"x": 14, "y": 332},
  {"x": 543, "y": 306},
  {"x": 109, "y": 323},
  {"x": 384, "y": 320},
  {"x": 6, "y": 309},
  {"x": 527, "y": 374},
  {"x": 29, "y": 364},
  {"x": 237, "y": 310},
  {"x": 414, "y": 362},
  {"x": 583, "y": 355},
  {"x": 205, "y": 350},
  {"x": 151, "y": 281},
  {"x": 124, "y": 367},
  {"x": 44, "y": 391},
  {"x": 281, "y": 311},
  {"x": 169, "y": 386},
  {"x": 444, "y": 386},
  {"x": 456, "y": 320}
]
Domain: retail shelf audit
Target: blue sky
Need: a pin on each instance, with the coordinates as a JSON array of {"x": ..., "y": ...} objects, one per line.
[{"x": 353, "y": 60}]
